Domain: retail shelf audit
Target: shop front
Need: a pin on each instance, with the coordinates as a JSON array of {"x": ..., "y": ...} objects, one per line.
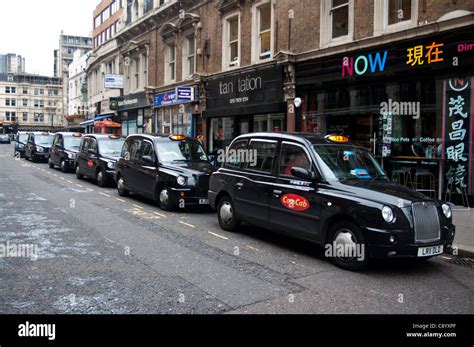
[
  {"x": 174, "y": 111},
  {"x": 243, "y": 102},
  {"x": 409, "y": 102},
  {"x": 134, "y": 113}
]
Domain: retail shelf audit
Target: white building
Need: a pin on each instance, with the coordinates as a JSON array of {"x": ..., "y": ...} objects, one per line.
[
  {"x": 31, "y": 102},
  {"x": 78, "y": 101}
]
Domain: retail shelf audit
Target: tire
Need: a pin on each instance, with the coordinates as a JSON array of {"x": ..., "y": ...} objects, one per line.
[
  {"x": 79, "y": 176},
  {"x": 226, "y": 215},
  {"x": 50, "y": 164},
  {"x": 164, "y": 199},
  {"x": 122, "y": 191},
  {"x": 102, "y": 179},
  {"x": 34, "y": 159},
  {"x": 347, "y": 233},
  {"x": 63, "y": 166}
]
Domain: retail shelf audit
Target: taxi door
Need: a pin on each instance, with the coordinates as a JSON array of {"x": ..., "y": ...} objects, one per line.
[
  {"x": 295, "y": 202},
  {"x": 91, "y": 158},
  {"x": 147, "y": 170}
]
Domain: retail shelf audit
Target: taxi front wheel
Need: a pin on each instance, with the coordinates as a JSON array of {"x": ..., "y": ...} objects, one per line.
[
  {"x": 121, "y": 187},
  {"x": 50, "y": 164},
  {"x": 78, "y": 173},
  {"x": 346, "y": 247},
  {"x": 226, "y": 214}
]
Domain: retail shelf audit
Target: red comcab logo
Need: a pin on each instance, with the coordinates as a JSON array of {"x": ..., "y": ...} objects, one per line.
[{"x": 294, "y": 202}]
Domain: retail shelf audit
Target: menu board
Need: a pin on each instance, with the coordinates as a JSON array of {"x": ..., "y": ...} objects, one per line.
[{"x": 457, "y": 135}]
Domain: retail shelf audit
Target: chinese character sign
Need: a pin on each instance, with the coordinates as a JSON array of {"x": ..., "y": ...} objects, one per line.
[
  {"x": 420, "y": 55},
  {"x": 457, "y": 133}
]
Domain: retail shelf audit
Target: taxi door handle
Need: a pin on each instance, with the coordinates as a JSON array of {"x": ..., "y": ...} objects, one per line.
[
  {"x": 277, "y": 193},
  {"x": 239, "y": 186}
]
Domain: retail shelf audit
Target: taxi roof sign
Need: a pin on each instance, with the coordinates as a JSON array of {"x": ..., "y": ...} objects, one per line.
[
  {"x": 178, "y": 137},
  {"x": 337, "y": 138},
  {"x": 114, "y": 137},
  {"x": 77, "y": 134}
]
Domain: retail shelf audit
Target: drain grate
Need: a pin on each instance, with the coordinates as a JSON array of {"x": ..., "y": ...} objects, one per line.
[{"x": 457, "y": 260}]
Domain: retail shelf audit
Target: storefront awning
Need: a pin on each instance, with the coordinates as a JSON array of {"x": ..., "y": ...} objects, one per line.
[{"x": 98, "y": 118}]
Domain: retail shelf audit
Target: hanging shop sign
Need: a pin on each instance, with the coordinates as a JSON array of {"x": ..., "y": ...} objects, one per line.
[
  {"x": 176, "y": 96},
  {"x": 457, "y": 125},
  {"x": 113, "y": 81}
]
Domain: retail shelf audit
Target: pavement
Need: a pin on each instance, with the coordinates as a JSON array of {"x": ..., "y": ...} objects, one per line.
[
  {"x": 98, "y": 253},
  {"x": 464, "y": 221}
]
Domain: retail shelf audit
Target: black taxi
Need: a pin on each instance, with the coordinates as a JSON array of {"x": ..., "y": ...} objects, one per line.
[
  {"x": 330, "y": 192},
  {"x": 173, "y": 170},
  {"x": 21, "y": 139},
  {"x": 97, "y": 157},
  {"x": 64, "y": 151},
  {"x": 38, "y": 145}
]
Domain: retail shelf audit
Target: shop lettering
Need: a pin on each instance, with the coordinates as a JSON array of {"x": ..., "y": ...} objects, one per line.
[
  {"x": 295, "y": 202},
  {"x": 465, "y": 47},
  {"x": 401, "y": 108},
  {"x": 243, "y": 85},
  {"x": 417, "y": 56},
  {"x": 362, "y": 63}
]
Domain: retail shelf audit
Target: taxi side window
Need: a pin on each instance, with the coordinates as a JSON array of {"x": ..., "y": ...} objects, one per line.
[
  {"x": 84, "y": 144},
  {"x": 236, "y": 155},
  {"x": 135, "y": 148},
  {"x": 93, "y": 145},
  {"x": 30, "y": 137},
  {"x": 263, "y": 153},
  {"x": 293, "y": 156},
  {"x": 148, "y": 150},
  {"x": 126, "y": 150}
]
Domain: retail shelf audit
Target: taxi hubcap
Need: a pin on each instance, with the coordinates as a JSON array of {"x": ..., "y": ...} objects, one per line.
[
  {"x": 120, "y": 183},
  {"x": 164, "y": 196},
  {"x": 346, "y": 238},
  {"x": 226, "y": 213},
  {"x": 100, "y": 176}
]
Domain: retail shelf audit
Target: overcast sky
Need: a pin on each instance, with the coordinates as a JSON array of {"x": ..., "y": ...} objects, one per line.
[{"x": 31, "y": 28}]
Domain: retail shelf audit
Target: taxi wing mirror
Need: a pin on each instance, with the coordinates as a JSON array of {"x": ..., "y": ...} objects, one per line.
[
  {"x": 148, "y": 159},
  {"x": 302, "y": 173}
]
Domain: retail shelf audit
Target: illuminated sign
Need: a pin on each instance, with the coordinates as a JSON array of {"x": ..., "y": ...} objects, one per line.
[
  {"x": 360, "y": 65},
  {"x": 419, "y": 55}
]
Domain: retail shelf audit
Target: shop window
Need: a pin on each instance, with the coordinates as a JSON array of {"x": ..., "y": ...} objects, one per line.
[
  {"x": 262, "y": 46},
  {"x": 293, "y": 156},
  {"x": 231, "y": 50},
  {"x": 265, "y": 156},
  {"x": 269, "y": 123}
]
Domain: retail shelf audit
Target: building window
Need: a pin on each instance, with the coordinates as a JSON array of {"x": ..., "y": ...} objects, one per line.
[
  {"x": 264, "y": 22},
  {"x": 337, "y": 17},
  {"x": 10, "y": 90},
  {"x": 10, "y": 102},
  {"x": 10, "y": 116},
  {"x": 189, "y": 56},
  {"x": 148, "y": 6},
  {"x": 97, "y": 21},
  {"x": 145, "y": 69},
  {"x": 231, "y": 56},
  {"x": 136, "y": 74},
  {"x": 25, "y": 117},
  {"x": 25, "y": 90},
  {"x": 170, "y": 63},
  {"x": 25, "y": 102},
  {"x": 395, "y": 15}
]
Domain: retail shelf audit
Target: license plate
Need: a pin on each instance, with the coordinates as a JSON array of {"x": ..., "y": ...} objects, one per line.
[
  {"x": 203, "y": 201},
  {"x": 429, "y": 251}
]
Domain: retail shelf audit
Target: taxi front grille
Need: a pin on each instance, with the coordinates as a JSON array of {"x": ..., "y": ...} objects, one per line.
[{"x": 426, "y": 221}]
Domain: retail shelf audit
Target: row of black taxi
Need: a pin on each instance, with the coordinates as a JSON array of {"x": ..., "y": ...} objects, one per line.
[{"x": 321, "y": 189}]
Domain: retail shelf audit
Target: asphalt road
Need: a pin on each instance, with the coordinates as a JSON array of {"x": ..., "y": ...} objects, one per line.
[{"x": 99, "y": 253}]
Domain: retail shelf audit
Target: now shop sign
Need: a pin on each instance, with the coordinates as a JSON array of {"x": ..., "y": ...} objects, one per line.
[{"x": 363, "y": 64}]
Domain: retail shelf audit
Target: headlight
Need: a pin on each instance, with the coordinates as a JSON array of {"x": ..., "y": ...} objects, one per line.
[
  {"x": 71, "y": 155},
  {"x": 181, "y": 180},
  {"x": 111, "y": 165},
  {"x": 21, "y": 146},
  {"x": 447, "y": 210},
  {"x": 39, "y": 149},
  {"x": 388, "y": 215}
]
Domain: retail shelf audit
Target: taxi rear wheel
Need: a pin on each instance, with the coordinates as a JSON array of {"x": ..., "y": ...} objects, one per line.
[
  {"x": 50, "y": 163},
  {"x": 226, "y": 215},
  {"x": 78, "y": 173},
  {"x": 63, "y": 166},
  {"x": 121, "y": 187},
  {"x": 345, "y": 236}
]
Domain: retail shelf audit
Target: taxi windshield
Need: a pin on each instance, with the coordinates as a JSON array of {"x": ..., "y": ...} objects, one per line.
[
  {"x": 72, "y": 142},
  {"x": 112, "y": 147},
  {"x": 22, "y": 138},
  {"x": 348, "y": 162},
  {"x": 180, "y": 151},
  {"x": 44, "y": 140}
]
